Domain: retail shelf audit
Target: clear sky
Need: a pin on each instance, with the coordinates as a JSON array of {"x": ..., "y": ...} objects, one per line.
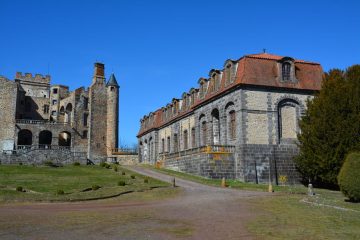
[{"x": 159, "y": 49}]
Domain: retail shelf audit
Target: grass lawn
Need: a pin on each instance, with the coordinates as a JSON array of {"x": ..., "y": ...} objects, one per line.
[
  {"x": 288, "y": 217},
  {"x": 291, "y": 214},
  {"x": 41, "y": 183}
]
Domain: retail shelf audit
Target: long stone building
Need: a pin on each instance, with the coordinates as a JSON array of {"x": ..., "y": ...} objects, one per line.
[
  {"x": 240, "y": 123},
  {"x": 42, "y": 122}
]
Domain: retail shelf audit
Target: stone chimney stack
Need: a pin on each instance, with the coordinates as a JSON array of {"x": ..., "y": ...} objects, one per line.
[
  {"x": 99, "y": 73},
  {"x": 99, "y": 69}
]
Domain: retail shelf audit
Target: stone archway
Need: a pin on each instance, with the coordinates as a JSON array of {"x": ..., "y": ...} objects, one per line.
[
  {"x": 45, "y": 139},
  {"x": 24, "y": 138},
  {"x": 64, "y": 139}
]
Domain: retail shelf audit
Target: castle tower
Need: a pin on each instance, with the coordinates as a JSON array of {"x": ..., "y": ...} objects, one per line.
[
  {"x": 112, "y": 114},
  {"x": 97, "y": 148}
]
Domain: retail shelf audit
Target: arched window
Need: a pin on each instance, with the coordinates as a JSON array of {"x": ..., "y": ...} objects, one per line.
[
  {"x": 185, "y": 138},
  {"x": 288, "y": 120},
  {"x": 168, "y": 144},
  {"x": 193, "y": 139},
  {"x": 203, "y": 133},
  {"x": 176, "y": 143},
  {"x": 163, "y": 145},
  {"x": 215, "y": 126},
  {"x": 68, "y": 113},
  {"x": 286, "y": 71},
  {"x": 150, "y": 149},
  {"x": 45, "y": 139},
  {"x": 24, "y": 137},
  {"x": 232, "y": 124}
]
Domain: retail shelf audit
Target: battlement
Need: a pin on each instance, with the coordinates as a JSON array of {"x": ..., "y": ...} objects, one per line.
[{"x": 30, "y": 78}]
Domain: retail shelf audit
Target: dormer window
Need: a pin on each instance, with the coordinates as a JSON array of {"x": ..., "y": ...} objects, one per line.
[
  {"x": 286, "y": 71},
  {"x": 228, "y": 73}
]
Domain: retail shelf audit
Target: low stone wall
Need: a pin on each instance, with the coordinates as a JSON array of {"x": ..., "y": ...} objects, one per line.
[
  {"x": 40, "y": 156},
  {"x": 203, "y": 164},
  {"x": 255, "y": 161},
  {"x": 127, "y": 159},
  {"x": 249, "y": 163}
]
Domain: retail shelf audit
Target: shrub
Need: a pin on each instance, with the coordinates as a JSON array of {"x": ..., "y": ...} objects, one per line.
[
  {"x": 95, "y": 187},
  {"x": 49, "y": 163},
  {"x": 121, "y": 183},
  {"x": 76, "y": 164},
  {"x": 60, "y": 192},
  {"x": 107, "y": 166},
  {"x": 102, "y": 164},
  {"x": 146, "y": 180},
  {"x": 133, "y": 176},
  {"x": 19, "y": 189},
  {"x": 349, "y": 177},
  {"x": 123, "y": 173},
  {"x": 115, "y": 168},
  {"x": 20, "y": 163}
]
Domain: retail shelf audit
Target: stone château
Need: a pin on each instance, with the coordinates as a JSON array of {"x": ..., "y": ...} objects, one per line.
[
  {"x": 240, "y": 123},
  {"x": 43, "y": 122}
]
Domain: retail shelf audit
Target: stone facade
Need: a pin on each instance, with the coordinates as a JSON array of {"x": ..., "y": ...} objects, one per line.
[
  {"x": 240, "y": 123},
  {"x": 43, "y": 122}
]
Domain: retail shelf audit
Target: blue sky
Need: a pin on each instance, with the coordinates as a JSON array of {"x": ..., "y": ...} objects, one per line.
[{"x": 159, "y": 49}]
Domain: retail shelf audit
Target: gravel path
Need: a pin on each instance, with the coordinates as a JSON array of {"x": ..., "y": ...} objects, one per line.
[{"x": 199, "y": 212}]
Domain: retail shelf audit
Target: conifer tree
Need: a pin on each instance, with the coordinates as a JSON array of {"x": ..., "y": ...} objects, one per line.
[{"x": 330, "y": 128}]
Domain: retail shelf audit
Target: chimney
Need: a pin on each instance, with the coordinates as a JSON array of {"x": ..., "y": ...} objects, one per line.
[{"x": 99, "y": 70}]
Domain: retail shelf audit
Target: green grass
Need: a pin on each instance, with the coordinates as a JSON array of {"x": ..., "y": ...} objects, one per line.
[
  {"x": 287, "y": 217},
  {"x": 41, "y": 183}
]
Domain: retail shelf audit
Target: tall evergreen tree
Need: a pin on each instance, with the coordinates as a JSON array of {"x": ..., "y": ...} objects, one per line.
[{"x": 330, "y": 127}]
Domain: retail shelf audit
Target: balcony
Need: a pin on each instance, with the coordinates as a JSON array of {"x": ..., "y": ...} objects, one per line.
[
  {"x": 124, "y": 151},
  {"x": 209, "y": 149},
  {"x": 30, "y": 121},
  {"x": 42, "y": 147}
]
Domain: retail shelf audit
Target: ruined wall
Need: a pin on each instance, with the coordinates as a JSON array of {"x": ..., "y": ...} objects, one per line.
[
  {"x": 8, "y": 99},
  {"x": 37, "y": 95}
]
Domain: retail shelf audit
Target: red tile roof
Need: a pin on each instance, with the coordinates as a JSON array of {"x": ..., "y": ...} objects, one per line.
[{"x": 256, "y": 70}]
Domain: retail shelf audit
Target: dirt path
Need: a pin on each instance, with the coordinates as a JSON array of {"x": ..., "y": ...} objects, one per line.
[{"x": 199, "y": 212}]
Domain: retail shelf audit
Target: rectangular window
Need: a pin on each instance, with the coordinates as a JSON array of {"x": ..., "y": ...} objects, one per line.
[
  {"x": 53, "y": 113},
  {"x": 86, "y": 103},
  {"x": 85, "y": 134},
  {"x": 46, "y": 109},
  {"x": 54, "y": 101},
  {"x": 85, "y": 119},
  {"x": 185, "y": 139},
  {"x": 55, "y": 91}
]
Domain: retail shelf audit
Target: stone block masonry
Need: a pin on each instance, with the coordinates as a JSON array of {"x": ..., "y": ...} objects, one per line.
[
  {"x": 205, "y": 165},
  {"x": 251, "y": 108}
]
